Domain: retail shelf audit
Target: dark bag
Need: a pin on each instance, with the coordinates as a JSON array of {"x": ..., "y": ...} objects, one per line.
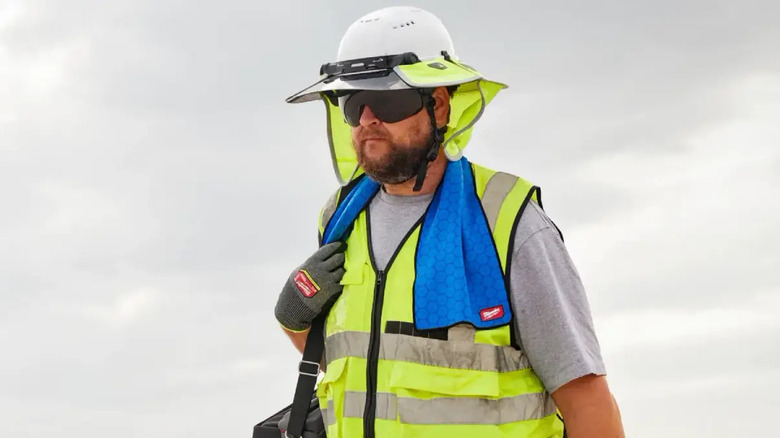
[
  {"x": 273, "y": 426},
  {"x": 303, "y": 418}
]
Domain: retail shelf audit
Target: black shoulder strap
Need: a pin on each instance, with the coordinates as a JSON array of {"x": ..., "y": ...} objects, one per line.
[
  {"x": 308, "y": 370},
  {"x": 348, "y": 188}
]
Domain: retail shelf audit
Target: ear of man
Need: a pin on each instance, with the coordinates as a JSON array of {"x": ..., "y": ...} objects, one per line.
[{"x": 441, "y": 110}]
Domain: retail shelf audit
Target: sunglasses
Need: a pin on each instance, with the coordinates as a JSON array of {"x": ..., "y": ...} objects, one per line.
[{"x": 388, "y": 106}]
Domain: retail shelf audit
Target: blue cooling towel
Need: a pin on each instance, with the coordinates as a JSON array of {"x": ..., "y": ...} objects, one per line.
[{"x": 459, "y": 277}]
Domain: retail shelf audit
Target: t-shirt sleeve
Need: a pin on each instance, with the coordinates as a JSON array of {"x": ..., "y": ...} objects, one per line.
[{"x": 552, "y": 314}]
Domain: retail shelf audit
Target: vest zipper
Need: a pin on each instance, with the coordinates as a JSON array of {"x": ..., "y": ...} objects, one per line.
[
  {"x": 369, "y": 414},
  {"x": 373, "y": 356}
]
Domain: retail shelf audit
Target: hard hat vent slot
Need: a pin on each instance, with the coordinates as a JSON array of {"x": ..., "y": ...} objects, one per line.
[{"x": 407, "y": 24}]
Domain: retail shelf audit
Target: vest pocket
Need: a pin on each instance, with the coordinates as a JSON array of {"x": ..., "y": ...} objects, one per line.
[
  {"x": 354, "y": 272},
  {"x": 483, "y": 403},
  {"x": 430, "y": 399},
  {"x": 333, "y": 372},
  {"x": 422, "y": 381},
  {"x": 355, "y": 263},
  {"x": 326, "y": 390}
]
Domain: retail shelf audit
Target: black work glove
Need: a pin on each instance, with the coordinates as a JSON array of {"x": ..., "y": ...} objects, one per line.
[{"x": 312, "y": 288}]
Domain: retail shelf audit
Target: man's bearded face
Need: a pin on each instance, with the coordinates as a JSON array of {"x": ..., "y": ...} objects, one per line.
[{"x": 391, "y": 153}]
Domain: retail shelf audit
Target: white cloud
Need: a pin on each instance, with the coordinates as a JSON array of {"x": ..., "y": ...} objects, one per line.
[
  {"x": 127, "y": 308},
  {"x": 250, "y": 365},
  {"x": 641, "y": 330},
  {"x": 704, "y": 211},
  {"x": 31, "y": 76},
  {"x": 10, "y": 11},
  {"x": 654, "y": 389},
  {"x": 78, "y": 209}
]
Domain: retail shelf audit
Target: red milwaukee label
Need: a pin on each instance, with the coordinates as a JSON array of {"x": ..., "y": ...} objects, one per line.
[
  {"x": 305, "y": 284},
  {"x": 491, "y": 313}
]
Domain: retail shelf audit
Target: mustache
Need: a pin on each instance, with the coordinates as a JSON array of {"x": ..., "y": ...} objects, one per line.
[{"x": 366, "y": 133}]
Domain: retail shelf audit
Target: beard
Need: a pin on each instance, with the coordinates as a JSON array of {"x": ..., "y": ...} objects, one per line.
[{"x": 399, "y": 163}]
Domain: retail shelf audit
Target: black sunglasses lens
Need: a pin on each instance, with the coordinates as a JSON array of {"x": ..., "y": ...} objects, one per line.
[{"x": 388, "y": 106}]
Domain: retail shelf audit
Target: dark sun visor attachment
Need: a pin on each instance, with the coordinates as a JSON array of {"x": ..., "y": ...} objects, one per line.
[{"x": 372, "y": 64}]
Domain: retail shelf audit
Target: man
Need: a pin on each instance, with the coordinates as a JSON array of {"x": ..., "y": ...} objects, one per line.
[{"x": 453, "y": 308}]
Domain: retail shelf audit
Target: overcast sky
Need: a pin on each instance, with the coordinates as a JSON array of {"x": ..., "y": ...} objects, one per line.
[{"x": 156, "y": 192}]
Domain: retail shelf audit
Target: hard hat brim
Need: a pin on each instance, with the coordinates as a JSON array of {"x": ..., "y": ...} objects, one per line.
[
  {"x": 431, "y": 73},
  {"x": 346, "y": 83}
]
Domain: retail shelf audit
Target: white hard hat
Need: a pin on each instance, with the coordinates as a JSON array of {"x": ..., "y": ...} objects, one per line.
[
  {"x": 395, "y": 30},
  {"x": 391, "y": 49}
]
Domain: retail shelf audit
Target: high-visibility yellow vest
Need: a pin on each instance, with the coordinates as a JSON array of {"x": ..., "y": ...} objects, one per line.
[{"x": 385, "y": 379}]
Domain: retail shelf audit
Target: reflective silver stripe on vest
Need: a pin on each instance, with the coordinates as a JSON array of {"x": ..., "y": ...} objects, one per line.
[
  {"x": 449, "y": 410},
  {"x": 496, "y": 190},
  {"x": 329, "y": 414},
  {"x": 355, "y": 405},
  {"x": 447, "y": 354},
  {"x": 467, "y": 410}
]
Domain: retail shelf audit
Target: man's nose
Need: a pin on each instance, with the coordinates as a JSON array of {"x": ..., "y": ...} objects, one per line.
[{"x": 367, "y": 117}]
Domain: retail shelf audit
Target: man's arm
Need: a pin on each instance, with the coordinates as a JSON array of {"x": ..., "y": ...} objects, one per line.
[
  {"x": 588, "y": 408},
  {"x": 298, "y": 338},
  {"x": 555, "y": 329}
]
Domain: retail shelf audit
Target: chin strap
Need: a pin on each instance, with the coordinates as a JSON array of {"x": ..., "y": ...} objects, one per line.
[{"x": 433, "y": 152}]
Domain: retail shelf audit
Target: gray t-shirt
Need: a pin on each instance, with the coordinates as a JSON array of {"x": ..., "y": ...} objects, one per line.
[{"x": 552, "y": 320}]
